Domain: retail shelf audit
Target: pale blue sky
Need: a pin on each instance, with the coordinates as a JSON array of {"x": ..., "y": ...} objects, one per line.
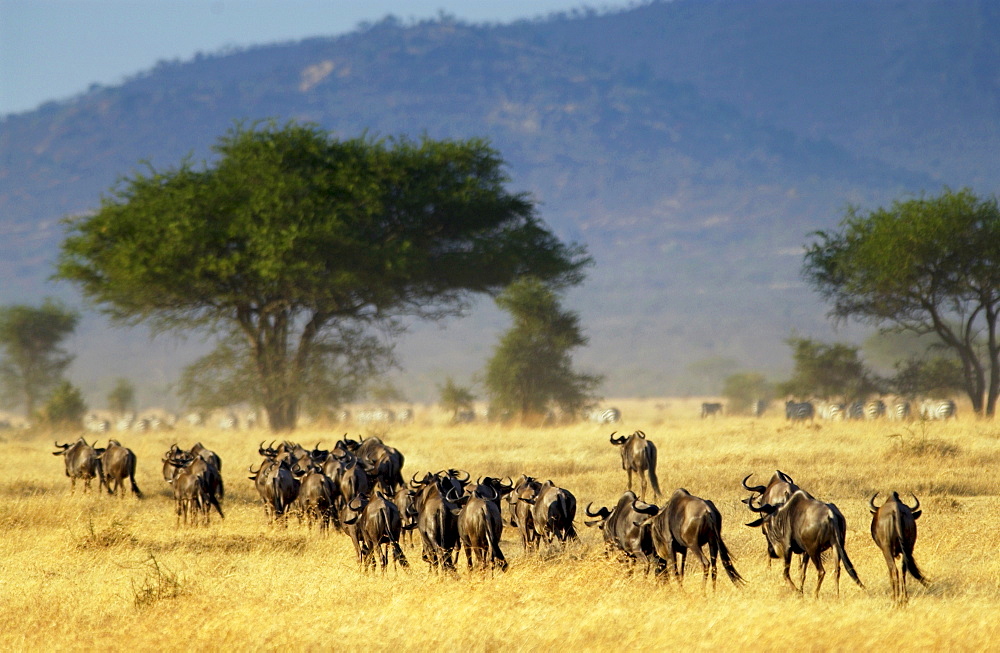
[{"x": 54, "y": 49}]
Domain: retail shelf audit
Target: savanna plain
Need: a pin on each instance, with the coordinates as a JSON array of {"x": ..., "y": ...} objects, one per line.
[{"x": 88, "y": 571}]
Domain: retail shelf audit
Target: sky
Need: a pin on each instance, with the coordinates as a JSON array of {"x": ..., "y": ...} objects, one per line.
[{"x": 55, "y": 49}]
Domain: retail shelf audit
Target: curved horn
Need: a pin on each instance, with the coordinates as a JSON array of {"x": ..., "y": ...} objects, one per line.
[
  {"x": 871, "y": 503},
  {"x": 252, "y": 471},
  {"x": 640, "y": 434},
  {"x": 350, "y": 504},
  {"x": 452, "y": 496},
  {"x": 587, "y": 510},
  {"x": 507, "y": 486},
  {"x": 620, "y": 440},
  {"x": 648, "y": 509},
  {"x": 785, "y": 477},
  {"x": 752, "y": 507},
  {"x": 260, "y": 448},
  {"x": 916, "y": 507},
  {"x": 496, "y": 495},
  {"x": 757, "y": 488}
]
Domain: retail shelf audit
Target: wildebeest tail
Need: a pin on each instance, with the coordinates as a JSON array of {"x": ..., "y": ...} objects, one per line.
[
  {"x": 135, "y": 488},
  {"x": 909, "y": 564},
  {"x": 212, "y": 500},
  {"x": 568, "y": 529},
  {"x": 652, "y": 471},
  {"x": 726, "y": 557},
  {"x": 494, "y": 541},
  {"x": 838, "y": 542}
]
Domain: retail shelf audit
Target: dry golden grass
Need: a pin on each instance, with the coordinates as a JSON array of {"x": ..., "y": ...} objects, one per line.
[{"x": 89, "y": 571}]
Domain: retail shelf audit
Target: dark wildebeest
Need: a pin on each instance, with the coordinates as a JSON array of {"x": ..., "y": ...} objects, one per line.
[
  {"x": 520, "y": 511},
  {"x": 436, "y": 519},
  {"x": 378, "y": 528},
  {"x": 480, "y": 526},
  {"x": 626, "y": 529},
  {"x": 776, "y": 492},
  {"x": 277, "y": 486},
  {"x": 710, "y": 409},
  {"x": 804, "y": 525},
  {"x": 213, "y": 476},
  {"x": 118, "y": 463},
  {"x": 385, "y": 462},
  {"x": 407, "y": 512},
  {"x": 195, "y": 486},
  {"x": 553, "y": 510},
  {"x": 689, "y": 523},
  {"x": 639, "y": 456},
  {"x": 894, "y": 529},
  {"x": 316, "y": 500},
  {"x": 82, "y": 461}
]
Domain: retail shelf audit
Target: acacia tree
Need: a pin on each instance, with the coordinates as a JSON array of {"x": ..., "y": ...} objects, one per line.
[
  {"x": 927, "y": 266},
  {"x": 454, "y": 397},
  {"x": 33, "y": 361},
  {"x": 291, "y": 235},
  {"x": 827, "y": 371},
  {"x": 121, "y": 398},
  {"x": 531, "y": 368}
]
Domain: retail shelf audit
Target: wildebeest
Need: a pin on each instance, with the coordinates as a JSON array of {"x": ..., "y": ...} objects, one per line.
[
  {"x": 213, "y": 477},
  {"x": 553, "y": 510},
  {"x": 195, "y": 486},
  {"x": 710, "y": 409},
  {"x": 82, "y": 461},
  {"x": 799, "y": 411},
  {"x": 118, "y": 463},
  {"x": 385, "y": 462},
  {"x": 805, "y": 525},
  {"x": 626, "y": 529},
  {"x": 894, "y": 529},
  {"x": 520, "y": 511},
  {"x": 480, "y": 526},
  {"x": 687, "y": 523},
  {"x": 277, "y": 486},
  {"x": 437, "y": 519},
  {"x": 639, "y": 456},
  {"x": 379, "y": 527},
  {"x": 316, "y": 499}
]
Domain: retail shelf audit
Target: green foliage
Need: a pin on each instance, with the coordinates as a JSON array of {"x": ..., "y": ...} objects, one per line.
[
  {"x": 121, "y": 399},
  {"x": 453, "y": 397},
  {"x": 292, "y": 234},
  {"x": 33, "y": 361},
  {"x": 937, "y": 377},
  {"x": 531, "y": 368},
  {"x": 744, "y": 388},
  {"x": 927, "y": 265},
  {"x": 65, "y": 406},
  {"x": 827, "y": 372},
  {"x": 385, "y": 391}
]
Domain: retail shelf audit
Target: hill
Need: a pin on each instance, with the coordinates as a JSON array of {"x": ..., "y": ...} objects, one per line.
[{"x": 691, "y": 145}]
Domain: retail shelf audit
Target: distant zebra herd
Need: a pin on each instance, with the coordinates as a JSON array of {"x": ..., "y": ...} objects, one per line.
[{"x": 870, "y": 410}]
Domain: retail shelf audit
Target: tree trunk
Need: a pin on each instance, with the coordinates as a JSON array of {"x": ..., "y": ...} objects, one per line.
[{"x": 994, "y": 354}]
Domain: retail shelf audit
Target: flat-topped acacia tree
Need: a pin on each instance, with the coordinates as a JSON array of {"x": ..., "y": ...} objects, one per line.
[{"x": 291, "y": 236}]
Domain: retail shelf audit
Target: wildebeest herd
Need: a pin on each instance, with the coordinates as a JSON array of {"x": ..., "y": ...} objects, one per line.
[{"x": 358, "y": 488}]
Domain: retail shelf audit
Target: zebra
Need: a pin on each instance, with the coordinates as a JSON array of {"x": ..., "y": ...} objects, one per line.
[
  {"x": 375, "y": 415},
  {"x": 799, "y": 411},
  {"x": 938, "y": 410},
  {"x": 833, "y": 411},
  {"x": 710, "y": 409},
  {"x": 900, "y": 411},
  {"x": 229, "y": 422},
  {"x": 605, "y": 416},
  {"x": 758, "y": 407},
  {"x": 405, "y": 416},
  {"x": 875, "y": 409},
  {"x": 95, "y": 424},
  {"x": 856, "y": 410}
]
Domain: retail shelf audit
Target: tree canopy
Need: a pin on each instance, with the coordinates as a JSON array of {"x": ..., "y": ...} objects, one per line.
[
  {"x": 291, "y": 234},
  {"x": 827, "y": 371},
  {"x": 531, "y": 367},
  {"x": 33, "y": 361},
  {"x": 924, "y": 265}
]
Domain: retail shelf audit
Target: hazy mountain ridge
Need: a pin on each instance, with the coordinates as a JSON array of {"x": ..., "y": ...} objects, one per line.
[{"x": 691, "y": 145}]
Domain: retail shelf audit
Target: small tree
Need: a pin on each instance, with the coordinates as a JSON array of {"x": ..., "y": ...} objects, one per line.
[
  {"x": 938, "y": 377},
  {"x": 33, "y": 362},
  {"x": 292, "y": 237},
  {"x": 65, "y": 406},
  {"x": 531, "y": 369},
  {"x": 827, "y": 372},
  {"x": 121, "y": 399},
  {"x": 744, "y": 388},
  {"x": 453, "y": 397},
  {"x": 925, "y": 266}
]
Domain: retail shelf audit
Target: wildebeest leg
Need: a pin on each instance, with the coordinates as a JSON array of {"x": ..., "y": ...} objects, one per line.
[
  {"x": 890, "y": 561},
  {"x": 818, "y": 561},
  {"x": 629, "y": 470},
  {"x": 805, "y": 566},
  {"x": 788, "y": 564},
  {"x": 398, "y": 557},
  {"x": 468, "y": 557}
]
